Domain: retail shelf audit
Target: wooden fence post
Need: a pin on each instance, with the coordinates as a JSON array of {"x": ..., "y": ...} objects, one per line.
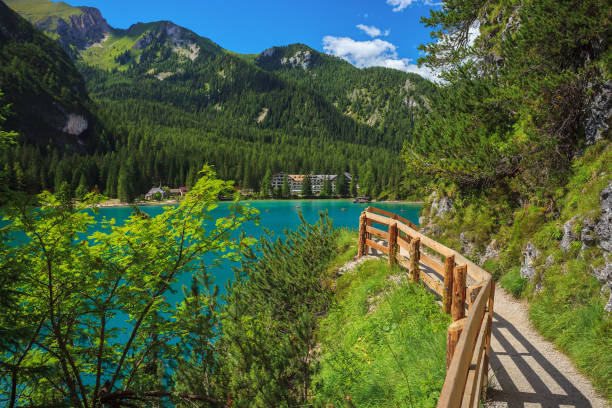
[
  {"x": 415, "y": 256},
  {"x": 393, "y": 244},
  {"x": 485, "y": 368},
  {"x": 452, "y": 338},
  {"x": 362, "y": 236},
  {"x": 449, "y": 266},
  {"x": 459, "y": 282}
]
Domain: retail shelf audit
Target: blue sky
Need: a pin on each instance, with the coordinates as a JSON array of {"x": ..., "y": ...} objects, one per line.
[{"x": 365, "y": 32}]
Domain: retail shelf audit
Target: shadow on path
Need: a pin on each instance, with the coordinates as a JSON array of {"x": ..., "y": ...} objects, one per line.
[{"x": 526, "y": 377}]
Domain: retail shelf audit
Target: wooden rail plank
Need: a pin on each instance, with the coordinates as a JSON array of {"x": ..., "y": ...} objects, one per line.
[
  {"x": 393, "y": 216},
  {"x": 471, "y": 385},
  {"x": 376, "y": 245},
  {"x": 378, "y": 232},
  {"x": 403, "y": 243},
  {"x": 431, "y": 282},
  {"x": 432, "y": 263},
  {"x": 454, "y": 384}
]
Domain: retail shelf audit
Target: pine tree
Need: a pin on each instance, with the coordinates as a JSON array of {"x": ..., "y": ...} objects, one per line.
[
  {"x": 353, "y": 187},
  {"x": 306, "y": 187},
  {"x": 266, "y": 185},
  {"x": 341, "y": 189},
  {"x": 124, "y": 188},
  {"x": 81, "y": 190},
  {"x": 327, "y": 188},
  {"x": 286, "y": 190}
]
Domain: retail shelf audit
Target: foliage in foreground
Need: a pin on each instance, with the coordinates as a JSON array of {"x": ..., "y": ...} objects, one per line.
[
  {"x": 63, "y": 344},
  {"x": 383, "y": 344}
]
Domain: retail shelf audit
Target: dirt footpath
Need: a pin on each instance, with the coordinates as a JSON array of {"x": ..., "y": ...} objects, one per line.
[{"x": 527, "y": 370}]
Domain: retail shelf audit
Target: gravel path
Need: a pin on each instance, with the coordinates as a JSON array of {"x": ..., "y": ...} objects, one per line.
[{"x": 526, "y": 369}]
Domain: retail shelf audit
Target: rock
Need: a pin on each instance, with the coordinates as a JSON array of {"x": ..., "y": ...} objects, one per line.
[
  {"x": 422, "y": 220},
  {"x": 80, "y": 31},
  {"x": 598, "y": 112},
  {"x": 467, "y": 245},
  {"x": 550, "y": 260},
  {"x": 75, "y": 124},
  {"x": 587, "y": 235},
  {"x": 568, "y": 234},
  {"x": 299, "y": 59},
  {"x": 603, "y": 229},
  {"x": 441, "y": 206},
  {"x": 491, "y": 252},
  {"x": 604, "y": 276},
  {"x": 513, "y": 24},
  {"x": 530, "y": 254}
]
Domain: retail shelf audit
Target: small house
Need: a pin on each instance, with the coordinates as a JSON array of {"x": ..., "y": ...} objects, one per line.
[{"x": 152, "y": 192}]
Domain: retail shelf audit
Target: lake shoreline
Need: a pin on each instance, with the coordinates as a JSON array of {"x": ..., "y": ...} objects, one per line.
[{"x": 115, "y": 203}]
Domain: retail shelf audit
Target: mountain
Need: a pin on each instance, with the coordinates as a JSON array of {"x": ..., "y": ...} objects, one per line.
[
  {"x": 383, "y": 98},
  {"x": 173, "y": 100},
  {"x": 75, "y": 28},
  {"x": 49, "y": 99}
]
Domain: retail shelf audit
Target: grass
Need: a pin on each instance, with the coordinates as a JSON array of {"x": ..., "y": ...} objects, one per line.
[
  {"x": 383, "y": 344},
  {"x": 38, "y": 10}
]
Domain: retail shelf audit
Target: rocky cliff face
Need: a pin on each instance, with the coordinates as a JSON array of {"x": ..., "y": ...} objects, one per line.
[{"x": 80, "y": 31}]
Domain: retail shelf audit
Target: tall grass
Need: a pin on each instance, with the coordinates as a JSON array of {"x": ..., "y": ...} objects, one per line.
[{"x": 382, "y": 344}]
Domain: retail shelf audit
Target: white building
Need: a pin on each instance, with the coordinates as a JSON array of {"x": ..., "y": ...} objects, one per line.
[{"x": 317, "y": 181}]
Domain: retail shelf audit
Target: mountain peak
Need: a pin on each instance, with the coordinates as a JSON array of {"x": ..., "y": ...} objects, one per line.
[{"x": 288, "y": 57}]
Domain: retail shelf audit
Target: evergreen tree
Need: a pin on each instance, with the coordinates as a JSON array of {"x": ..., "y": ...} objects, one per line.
[
  {"x": 81, "y": 190},
  {"x": 327, "y": 188},
  {"x": 266, "y": 185},
  {"x": 353, "y": 186},
  {"x": 342, "y": 186},
  {"x": 306, "y": 187},
  {"x": 286, "y": 189},
  {"x": 125, "y": 191}
]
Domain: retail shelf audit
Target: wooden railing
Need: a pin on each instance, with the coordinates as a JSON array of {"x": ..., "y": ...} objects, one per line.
[{"x": 446, "y": 272}]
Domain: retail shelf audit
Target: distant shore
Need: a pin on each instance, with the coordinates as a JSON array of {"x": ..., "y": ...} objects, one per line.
[{"x": 116, "y": 203}]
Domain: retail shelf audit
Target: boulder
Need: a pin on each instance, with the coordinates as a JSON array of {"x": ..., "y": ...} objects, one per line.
[
  {"x": 530, "y": 254},
  {"x": 603, "y": 229}
]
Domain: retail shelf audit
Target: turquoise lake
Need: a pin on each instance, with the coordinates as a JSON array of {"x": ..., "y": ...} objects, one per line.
[{"x": 277, "y": 216}]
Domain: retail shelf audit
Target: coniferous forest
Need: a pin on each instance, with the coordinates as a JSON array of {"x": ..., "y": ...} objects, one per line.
[{"x": 155, "y": 116}]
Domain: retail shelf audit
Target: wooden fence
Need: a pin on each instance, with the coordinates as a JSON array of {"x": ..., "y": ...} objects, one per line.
[{"x": 466, "y": 290}]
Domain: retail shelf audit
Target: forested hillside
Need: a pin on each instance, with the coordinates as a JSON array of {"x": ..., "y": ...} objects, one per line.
[
  {"x": 50, "y": 105},
  {"x": 386, "y": 99},
  {"x": 517, "y": 153},
  {"x": 172, "y": 100}
]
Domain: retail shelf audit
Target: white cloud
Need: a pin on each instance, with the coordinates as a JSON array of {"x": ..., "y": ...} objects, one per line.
[
  {"x": 399, "y": 5},
  {"x": 372, "y": 53},
  {"x": 369, "y": 30},
  {"x": 372, "y": 31}
]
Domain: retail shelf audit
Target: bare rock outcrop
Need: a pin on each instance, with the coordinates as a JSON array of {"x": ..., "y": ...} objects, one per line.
[
  {"x": 603, "y": 229},
  {"x": 491, "y": 252},
  {"x": 569, "y": 235},
  {"x": 598, "y": 112},
  {"x": 530, "y": 254}
]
